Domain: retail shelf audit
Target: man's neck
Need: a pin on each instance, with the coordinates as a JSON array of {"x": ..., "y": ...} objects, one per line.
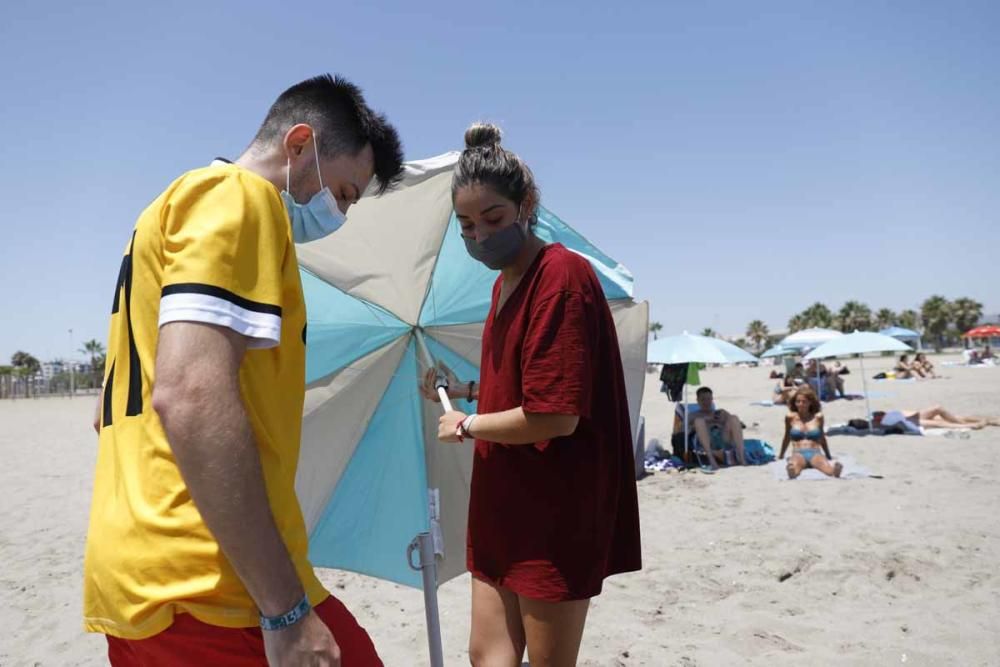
[{"x": 267, "y": 165}]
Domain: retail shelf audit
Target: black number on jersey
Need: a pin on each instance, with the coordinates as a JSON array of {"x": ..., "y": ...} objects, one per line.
[{"x": 134, "y": 404}]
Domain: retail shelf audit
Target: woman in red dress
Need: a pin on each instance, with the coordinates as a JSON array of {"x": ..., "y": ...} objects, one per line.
[{"x": 553, "y": 507}]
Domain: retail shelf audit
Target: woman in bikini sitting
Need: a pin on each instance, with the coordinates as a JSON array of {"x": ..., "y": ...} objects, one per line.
[
  {"x": 804, "y": 431},
  {"x": 905, "y": 370},
  {"x": 924, "y": 364}
]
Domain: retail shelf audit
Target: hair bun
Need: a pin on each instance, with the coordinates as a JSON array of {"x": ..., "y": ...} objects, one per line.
[{"x": 481, "y": 135}]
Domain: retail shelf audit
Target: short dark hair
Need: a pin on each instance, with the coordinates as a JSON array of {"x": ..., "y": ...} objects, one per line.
[
  {"x": 343, "y": 122},
  {"x": 702, "y": 390}
]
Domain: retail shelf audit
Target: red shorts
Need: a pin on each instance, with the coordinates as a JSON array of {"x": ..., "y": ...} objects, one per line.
[{"x": 188, "y": 641}]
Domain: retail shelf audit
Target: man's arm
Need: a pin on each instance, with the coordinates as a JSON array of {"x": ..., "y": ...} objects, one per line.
[{"x": 197, "y": 397}]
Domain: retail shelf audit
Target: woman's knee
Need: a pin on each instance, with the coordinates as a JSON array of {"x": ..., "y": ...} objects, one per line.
[{"x": 485, "y": 653}]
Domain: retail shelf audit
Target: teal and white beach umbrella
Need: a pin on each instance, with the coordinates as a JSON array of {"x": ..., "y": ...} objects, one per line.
[{"x": 389, "y": 293}]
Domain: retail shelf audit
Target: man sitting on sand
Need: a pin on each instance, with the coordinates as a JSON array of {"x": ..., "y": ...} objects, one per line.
[
  {"x": 832, "y": 381},
  {"x": 718, "y": 431}
]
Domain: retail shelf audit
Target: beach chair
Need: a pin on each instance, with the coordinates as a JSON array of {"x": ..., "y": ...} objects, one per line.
[{"x": 691, "y": 450}]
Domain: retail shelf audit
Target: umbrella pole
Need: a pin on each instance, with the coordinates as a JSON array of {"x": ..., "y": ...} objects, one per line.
[
  {"x": 864, "y": 383},
  {"x": 442, "y": 379},
  {"x": 423, "y": 544},
  {"x": 686, "y": 441}
]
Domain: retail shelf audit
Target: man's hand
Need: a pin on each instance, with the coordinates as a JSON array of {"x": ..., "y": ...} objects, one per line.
[
  {"x": 308, "y": 642},
  {"x": 448, "y": 426}
]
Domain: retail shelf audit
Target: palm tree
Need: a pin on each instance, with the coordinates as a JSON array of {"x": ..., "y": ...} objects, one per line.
[
  {"x": 966, "y": 313},
  {"x": 95, "y": 349},
  {"x": 936, "y": 315},
  {"x": 26, "y": 367},
  {"x": 758, "y": 334},
  {"x": 854, "y": 316},
  {"x": 909, "y": 319},
  {"x": 885, "y": 318},
  {"x": 654, "y": 328},
  {"x": 797, "y": 323},
  {"x": 817, "y": 315},
  {"x": 710, "y": 332}
]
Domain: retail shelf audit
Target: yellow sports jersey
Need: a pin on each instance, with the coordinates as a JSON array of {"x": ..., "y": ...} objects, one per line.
[{"x": 215, "y": 247}]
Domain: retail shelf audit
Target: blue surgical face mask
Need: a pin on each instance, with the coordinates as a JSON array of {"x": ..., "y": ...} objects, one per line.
[{"x": 318, "y": 217}]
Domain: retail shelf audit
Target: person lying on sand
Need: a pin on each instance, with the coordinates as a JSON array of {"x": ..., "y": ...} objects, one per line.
[
  {"x": 804, "y": 431},
  {"x": 932, "y": 417}
]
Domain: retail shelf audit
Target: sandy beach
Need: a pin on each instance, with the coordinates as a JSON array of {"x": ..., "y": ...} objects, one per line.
[{"x": 740, "y": 568}]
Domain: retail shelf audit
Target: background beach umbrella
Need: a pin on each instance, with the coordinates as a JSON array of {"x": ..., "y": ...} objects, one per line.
[
  {"x": 807, "y": 339},
  {"x": 391, "y": 292},
  {"x": 984, "y": 331},
  {"x": 688, "y": 348},
  {"x": 859, "y": 343},
  {"x": 776, "y": 351},
  {"x": 900, "y": 333}
]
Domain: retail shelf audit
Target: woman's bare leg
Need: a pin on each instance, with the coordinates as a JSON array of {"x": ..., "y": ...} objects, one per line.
[
  {"x": 734, "y": 435},
  {"x": 796, "y": 464},
  {"x": 826, "y": 466},
  {"x": 937, "y": 412},
  {"x": 497, "y": 638},
  {"x": 944, "y": 423},
  {"x": 553, "y": 630}
]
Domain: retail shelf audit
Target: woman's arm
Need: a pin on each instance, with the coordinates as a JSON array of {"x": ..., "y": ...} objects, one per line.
[
  {"x": 787, "y": 438},
  {"x": 510, "y": 427},
  {"x": 822, "y": 436}
]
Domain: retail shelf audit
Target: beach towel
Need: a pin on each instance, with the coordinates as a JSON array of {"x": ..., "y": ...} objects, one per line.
[{"x": 852, "y": 470}]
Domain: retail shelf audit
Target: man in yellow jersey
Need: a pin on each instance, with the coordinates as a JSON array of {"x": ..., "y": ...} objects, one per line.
[{"x": 197, "y": 550}]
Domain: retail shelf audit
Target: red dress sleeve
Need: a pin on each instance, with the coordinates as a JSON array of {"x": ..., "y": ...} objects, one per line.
[{"x": 556, "y": 369}]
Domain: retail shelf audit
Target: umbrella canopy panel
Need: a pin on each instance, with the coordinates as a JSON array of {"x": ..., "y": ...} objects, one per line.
[{"x": 369, "y": 453}]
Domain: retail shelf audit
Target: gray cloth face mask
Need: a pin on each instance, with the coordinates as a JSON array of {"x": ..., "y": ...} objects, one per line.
[{"x": 498, "y": 250}]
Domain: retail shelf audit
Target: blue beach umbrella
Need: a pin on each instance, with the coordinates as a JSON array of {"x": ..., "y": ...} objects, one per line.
[
  {"x": 859, "y": 343},
  {"x": 388, "y": 295},
  {"x": 903, "y": 334},
  {"x": 688, "y": 348}
]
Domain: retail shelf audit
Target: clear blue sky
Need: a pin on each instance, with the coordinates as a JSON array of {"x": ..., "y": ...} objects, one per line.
[{"x": 743, "y": 159}]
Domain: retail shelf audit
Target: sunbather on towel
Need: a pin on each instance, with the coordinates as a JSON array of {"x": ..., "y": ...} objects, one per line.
[
  {"x": 804, "y": 431},
  {"x": 717, "y": 431},
  {"x": 933, "y": 417}
]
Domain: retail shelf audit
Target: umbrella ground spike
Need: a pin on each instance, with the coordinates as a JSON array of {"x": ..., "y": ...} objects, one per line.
[{"x": 423, "y": 546}]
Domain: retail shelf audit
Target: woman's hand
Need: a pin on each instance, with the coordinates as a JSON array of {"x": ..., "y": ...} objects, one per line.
[
  {"x": 448, "y": 426},
  {"x": 428, "y": 389}
]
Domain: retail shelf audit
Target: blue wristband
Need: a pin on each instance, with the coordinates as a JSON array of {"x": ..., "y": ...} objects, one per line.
[{"x": 300, "y": 611}]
